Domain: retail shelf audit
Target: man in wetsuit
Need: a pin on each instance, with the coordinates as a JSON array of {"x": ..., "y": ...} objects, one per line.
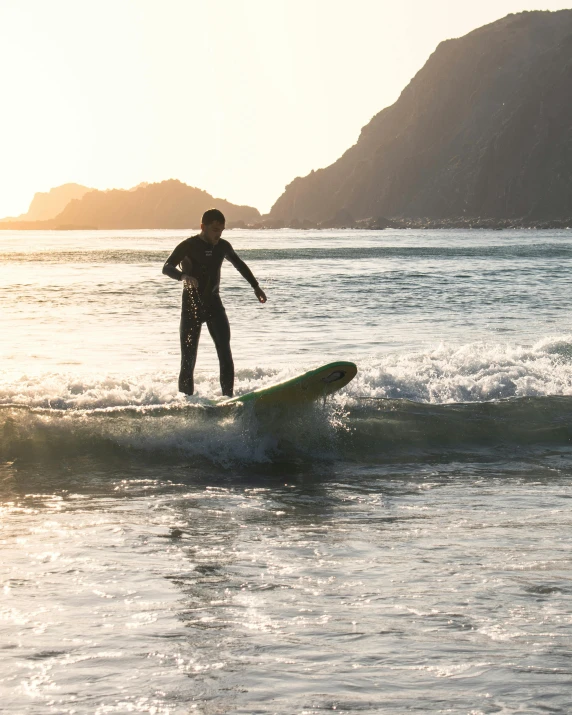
[{"x": 200, "y": 258}]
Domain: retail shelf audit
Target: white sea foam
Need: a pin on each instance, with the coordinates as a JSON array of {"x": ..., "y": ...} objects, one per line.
[{"x": 474, "y": 372}]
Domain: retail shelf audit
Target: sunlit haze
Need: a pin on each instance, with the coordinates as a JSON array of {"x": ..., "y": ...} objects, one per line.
[{"x": 237, "y": 97}]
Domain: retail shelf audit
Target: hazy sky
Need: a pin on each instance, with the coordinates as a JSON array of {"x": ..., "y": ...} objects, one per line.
[{"x": 237, "y": 97}]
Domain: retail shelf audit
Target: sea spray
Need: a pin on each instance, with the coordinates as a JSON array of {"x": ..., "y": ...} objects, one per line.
[{"x": 473, "y": 372}]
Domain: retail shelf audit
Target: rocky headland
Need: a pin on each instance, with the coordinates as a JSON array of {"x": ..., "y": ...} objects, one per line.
[{"x": 480, "y": 138}]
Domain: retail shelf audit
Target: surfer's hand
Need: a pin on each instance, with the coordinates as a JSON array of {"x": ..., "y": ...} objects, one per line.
[
  {"x": 260, "y": 294},
  {"x": 190, "y": 281}
]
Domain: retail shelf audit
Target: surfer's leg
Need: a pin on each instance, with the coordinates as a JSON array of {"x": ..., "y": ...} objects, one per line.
[
  {"x": 219, "y": 329},
  {"x": 190, "y": 332}
]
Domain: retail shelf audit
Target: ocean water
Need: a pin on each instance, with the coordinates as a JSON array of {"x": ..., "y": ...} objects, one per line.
[{"x": 404, "y": 547}]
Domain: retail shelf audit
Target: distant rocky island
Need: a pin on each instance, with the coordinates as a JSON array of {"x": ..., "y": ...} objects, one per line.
[
  {"x": 481, "y": 137},
  {"x": 168, "y": 204}
]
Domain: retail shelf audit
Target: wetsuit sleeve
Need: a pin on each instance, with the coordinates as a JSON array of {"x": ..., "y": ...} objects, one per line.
[
  {"x": 170, "y": 268},
  {"x": 240, "y": 266}
]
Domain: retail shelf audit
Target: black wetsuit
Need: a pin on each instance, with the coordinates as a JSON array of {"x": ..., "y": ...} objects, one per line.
[{"x": 203, "y": 261}]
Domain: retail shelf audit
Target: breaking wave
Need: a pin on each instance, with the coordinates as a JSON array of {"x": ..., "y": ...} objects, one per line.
[{"x": 437, "y": 401}]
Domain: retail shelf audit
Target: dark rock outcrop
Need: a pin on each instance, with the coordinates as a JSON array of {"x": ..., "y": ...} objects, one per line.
[
  {"x": 377, "y": 224},
  {"x": 342, "y": 219},
  {"x": 484, "y": 130},
  {"x": 168, "y": 204}
]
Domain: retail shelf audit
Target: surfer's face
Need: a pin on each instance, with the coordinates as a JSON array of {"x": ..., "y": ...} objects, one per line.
[{"x": 212, "y": 231}]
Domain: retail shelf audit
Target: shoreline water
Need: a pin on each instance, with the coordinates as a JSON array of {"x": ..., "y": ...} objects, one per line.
[{"x": 367, "y": 224}]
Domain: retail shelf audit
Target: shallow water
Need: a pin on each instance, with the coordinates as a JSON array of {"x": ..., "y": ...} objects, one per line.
[{"x": 404, "y": 547}]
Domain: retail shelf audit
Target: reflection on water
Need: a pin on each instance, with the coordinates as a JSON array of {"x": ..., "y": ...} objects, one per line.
[{"x": 147, "y": 589}]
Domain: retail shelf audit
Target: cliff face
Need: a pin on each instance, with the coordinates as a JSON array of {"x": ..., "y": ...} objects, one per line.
[
  {"x": 483, "y": 130},
  {"x": 48, "y": 204},
  {"x": 169, "y": 204}
]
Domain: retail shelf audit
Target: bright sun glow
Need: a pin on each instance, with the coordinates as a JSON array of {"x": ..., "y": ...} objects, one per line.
[{"x": 237, "y": 97}]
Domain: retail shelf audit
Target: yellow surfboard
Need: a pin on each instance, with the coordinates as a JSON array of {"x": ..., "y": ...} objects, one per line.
[{"x": 312, "y": 385}]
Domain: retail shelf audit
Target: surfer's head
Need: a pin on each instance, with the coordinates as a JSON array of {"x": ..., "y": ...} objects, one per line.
[{"x": 212, "y": 225}]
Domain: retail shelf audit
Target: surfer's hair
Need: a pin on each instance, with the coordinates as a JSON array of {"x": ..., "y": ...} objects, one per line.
[{"x": 213, "y": 215}]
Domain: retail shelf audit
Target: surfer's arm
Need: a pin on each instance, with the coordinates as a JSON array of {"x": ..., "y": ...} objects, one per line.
[
  {"x": 245, "y": 272},
  {"x": 170, "y": 268}
]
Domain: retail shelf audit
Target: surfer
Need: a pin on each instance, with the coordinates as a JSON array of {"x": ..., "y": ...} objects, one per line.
[{"x": 200, "y": 258}]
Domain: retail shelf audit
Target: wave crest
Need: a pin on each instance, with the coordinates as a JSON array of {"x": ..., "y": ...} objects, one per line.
[{"x": 446, "y": 398}]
